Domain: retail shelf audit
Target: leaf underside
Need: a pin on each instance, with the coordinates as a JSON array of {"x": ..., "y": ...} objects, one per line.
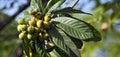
[
  {"x": 60, "y": 42},
  {"x": 77, "y": 29}
]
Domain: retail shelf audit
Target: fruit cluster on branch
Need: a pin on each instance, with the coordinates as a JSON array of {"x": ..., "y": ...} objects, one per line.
[{"x": 35, "y": 28}]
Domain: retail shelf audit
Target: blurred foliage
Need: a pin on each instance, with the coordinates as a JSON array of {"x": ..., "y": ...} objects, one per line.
[
  {"x": 9, "y": 41},
  {"x": 8, "y": 47},
  {"x": 105, "y": 18},
  {"x": 10, "y": 29},
  {"x": 2, "y": 16}
]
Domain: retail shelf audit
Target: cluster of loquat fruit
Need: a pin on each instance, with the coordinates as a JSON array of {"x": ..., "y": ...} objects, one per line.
[{"x": 35, "y": 27}]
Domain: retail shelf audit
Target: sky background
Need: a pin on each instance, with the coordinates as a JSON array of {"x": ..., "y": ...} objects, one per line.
[{"x": 84, "y": 5}]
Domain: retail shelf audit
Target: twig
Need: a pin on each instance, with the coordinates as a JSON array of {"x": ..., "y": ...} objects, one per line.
[{"x": 75, "y": 3}]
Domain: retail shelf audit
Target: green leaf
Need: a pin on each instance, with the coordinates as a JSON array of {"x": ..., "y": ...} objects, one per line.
[
  {"x": 54, "y": 53},
  {"x": 40, "y": 5},
  {"x": 70, "y": 43},
  {"x": 40, "y": 49},
  {"x": 61, "y": 52},
  {"x": 77, "y": 28},
  {"x": 58, "y": 40},
  {"x": 55, "y": 6},
  {"x": 26, "y": 48},
  {"x": 33, "y": 4},
  {"x": 68, "y": 10},
  {"x": 77, "y": 42},
  {"x": 50, "y": 4}
]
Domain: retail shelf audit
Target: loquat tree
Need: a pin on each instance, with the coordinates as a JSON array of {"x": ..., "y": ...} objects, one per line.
[{"x": 50, "y": 31}]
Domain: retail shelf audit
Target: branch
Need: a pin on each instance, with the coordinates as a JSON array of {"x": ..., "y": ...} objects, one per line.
[
  {"x": 10, "y": 19},
  {"x": 75, "y": 3}
]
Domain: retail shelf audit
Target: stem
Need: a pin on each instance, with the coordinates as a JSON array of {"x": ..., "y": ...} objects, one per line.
[{"x": 75, "y": 3}]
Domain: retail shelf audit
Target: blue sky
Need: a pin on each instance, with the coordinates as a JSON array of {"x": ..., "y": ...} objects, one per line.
[
  {"x": 85, "y": 4},
  {"x": 11, "y": 11}
]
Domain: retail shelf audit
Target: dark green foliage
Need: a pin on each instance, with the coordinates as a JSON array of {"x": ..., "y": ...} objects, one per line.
[{"x": 68, "y": 10}]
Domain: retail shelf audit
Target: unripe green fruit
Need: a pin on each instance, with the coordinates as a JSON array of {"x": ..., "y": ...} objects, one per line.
[
  {"x": 51, "y": 44},
  {"x": 21, "y": 21},
  {"x": 32, "y": 22},
  {"x": 30, "y": 29},
  {"x": 36, "y": 29},
  {"x": 47, "y": 18},
  {"x": 38, "y": 15},
  {"x": 22, "y": 35},
  {"x": 21, "y": 28},
  {"x": 46, "y": 35},
  {"x": 31, "y": 55},
  {"x": 46, "y": 24},
  {"x": 41, "y": 37},
  {"x": 30, "y": 36},
  {"x": 50, "y": 47},
  {"x": 33, "y": 11},
  {"x": 24, "y": 27},
  {"x": 39, "y": 23}
]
